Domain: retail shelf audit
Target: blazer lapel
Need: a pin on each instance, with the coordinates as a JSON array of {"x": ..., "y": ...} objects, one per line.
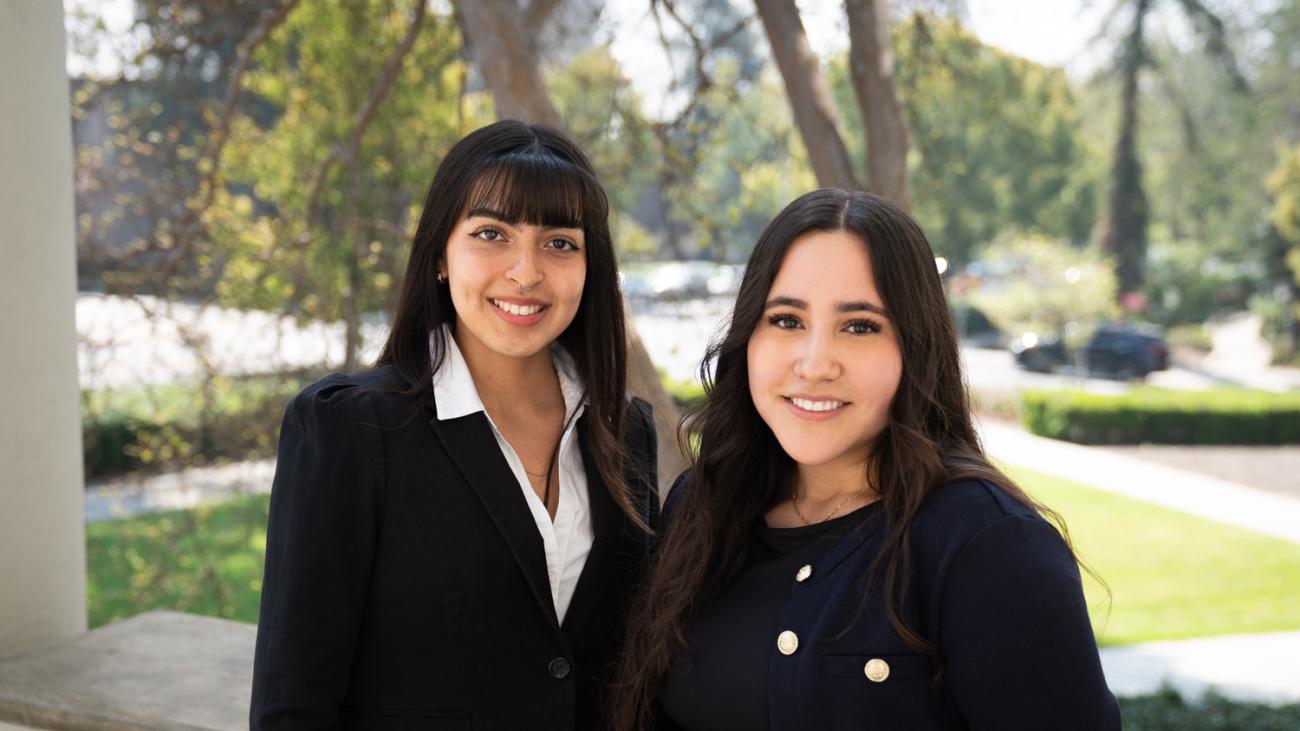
[
  {"x": 472, "y": 446},
  {"x": 605, "y": 524}
]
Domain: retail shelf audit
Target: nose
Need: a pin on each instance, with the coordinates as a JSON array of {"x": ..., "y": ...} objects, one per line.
[
  {"x": 817, "y": 359},
  {"x": 526, "y": 271}
]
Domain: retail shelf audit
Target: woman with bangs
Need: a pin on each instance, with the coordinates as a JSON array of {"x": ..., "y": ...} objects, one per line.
[
  {"x": 841, "y": 554},
  {"x": 454, "y": 533}
]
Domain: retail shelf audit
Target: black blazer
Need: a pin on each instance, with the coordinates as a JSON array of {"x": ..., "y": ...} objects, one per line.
[
  {"x": 406, "y": 582},
  {"x": 992, "y": 585}
]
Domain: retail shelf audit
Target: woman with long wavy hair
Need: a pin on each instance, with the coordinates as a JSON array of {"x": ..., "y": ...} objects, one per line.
[
  {"x": 455, "y": 532},
  {"x": 841, "y": 553}
]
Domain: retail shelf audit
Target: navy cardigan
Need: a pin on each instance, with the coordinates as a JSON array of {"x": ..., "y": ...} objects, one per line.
[{"x": 993, "y": 586}]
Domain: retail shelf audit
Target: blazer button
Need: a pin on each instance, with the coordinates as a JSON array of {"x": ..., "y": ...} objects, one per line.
[
  {"x": 876, "y": 670},
  {"x": 787, "y": 642},
  {"x": 803, "y": 573},
  {"x": 559, "y": 668}
]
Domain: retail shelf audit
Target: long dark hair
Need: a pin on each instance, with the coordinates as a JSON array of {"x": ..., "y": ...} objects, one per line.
[
  {"x": 740, "y": 470},
  {"x": 533, "y": 174}
]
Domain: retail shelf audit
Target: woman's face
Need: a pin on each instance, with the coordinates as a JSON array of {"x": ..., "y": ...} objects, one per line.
[
  {"x": 824, "y": 360},
  {"x": 515, "y": 286}
]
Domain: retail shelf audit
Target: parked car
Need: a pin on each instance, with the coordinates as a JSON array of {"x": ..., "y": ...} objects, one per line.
[
  {"x": 1119, "y": 350},
  {"x": 1040, "y": 353}
]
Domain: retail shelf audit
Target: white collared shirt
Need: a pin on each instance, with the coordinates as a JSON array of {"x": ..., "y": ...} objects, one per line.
[{"x": 568, "y": 538}]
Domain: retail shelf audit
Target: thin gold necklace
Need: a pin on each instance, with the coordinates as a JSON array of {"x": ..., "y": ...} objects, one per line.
[{"x": 794, "y": 501}]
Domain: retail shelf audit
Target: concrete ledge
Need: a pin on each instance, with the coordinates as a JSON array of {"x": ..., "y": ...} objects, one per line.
[{"x": 160, "y": 670}]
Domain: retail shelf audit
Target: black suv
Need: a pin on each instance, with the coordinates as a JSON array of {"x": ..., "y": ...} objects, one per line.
[{"x": 1120, "y": 350}]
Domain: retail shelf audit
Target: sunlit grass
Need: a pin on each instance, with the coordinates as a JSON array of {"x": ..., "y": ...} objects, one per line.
[
  {"x": 202, "y": 561},
  {"x": 1171, "y": 575}
]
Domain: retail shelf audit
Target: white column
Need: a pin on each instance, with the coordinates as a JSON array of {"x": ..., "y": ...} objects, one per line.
[{"x": 42, "y": 539}]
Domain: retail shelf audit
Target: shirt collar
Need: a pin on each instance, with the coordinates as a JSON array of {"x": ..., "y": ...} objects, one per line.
[{"x": 455, "y": 394}]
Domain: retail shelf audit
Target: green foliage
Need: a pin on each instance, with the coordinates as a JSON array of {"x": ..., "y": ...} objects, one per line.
[
  {"x": 1284, "y": 184},
  {"x": 1159, "y": 416},
  {"x": 166, "y": 427},
  {"x": 701, "y": 186},
  {"x": 204, "y": 561},
  {"x": 683, "y": 393},
  {"x": 995, "y": 140},
  {"x": 317, "y": 72},
  {"x": 602, "y": 113},
  {"x": 1038, "y": 285},
  {"x": 746, "y": 165},
  {"x": 1202, "y": 146},
  {"x": 1170, "y": 575},
  {"x": 1185, "y": 284},
  {"x": 1166, "y": 710}
]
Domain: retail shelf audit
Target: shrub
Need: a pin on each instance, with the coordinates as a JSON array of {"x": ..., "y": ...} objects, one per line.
[
  {"x": 1165, "y": 710},
  {"x": 164, "y": 427},
  {"x": 1226, "y": 416}
]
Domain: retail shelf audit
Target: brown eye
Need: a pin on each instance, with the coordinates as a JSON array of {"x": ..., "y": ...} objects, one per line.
[
  {"x": 489, "y": 234},
  {"x": 863, "y": 327},
  {"x": 562, "y": 245},
  {"x": 783, "y": 322}
]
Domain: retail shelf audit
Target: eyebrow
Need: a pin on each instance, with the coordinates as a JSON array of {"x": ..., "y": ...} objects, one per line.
[
  {"x": 503, "y": 218},
  {"x": 490, "y": 213},
  {"x": 799, "y": 304}
]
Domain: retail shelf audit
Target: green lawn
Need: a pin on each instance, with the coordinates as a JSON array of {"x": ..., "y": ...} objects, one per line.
[
  {"x": 1170, "y": 575},
  {"x": 203, "y": 561}
]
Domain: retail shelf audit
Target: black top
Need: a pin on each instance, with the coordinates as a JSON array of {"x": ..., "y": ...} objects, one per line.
[
  {"x": 406, "y": 583},
  {"x": 724, "y": 683}
]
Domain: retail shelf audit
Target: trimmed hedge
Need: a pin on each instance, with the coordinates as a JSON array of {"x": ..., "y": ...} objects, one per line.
[
  {"x": 1165, "y": 710},
  {"x": 1160, "y": 416},
  {"x": 157, "y": 428}
]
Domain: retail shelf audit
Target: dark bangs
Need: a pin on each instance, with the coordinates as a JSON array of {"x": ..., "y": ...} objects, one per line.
[{"x": 538, "y": 188}]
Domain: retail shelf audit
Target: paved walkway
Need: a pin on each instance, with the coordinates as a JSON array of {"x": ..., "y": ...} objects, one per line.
[
  {"x": 1258, "y": 667},
  {"x": 1270, "y": 468},
  {"x": 124, "y": 497},
  {"x": 1270, "y": 513}
]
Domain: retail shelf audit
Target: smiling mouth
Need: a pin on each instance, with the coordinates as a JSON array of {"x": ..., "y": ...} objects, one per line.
[
  {"x": 816, "y": 406},
  {"x": 518, "y": 310}
]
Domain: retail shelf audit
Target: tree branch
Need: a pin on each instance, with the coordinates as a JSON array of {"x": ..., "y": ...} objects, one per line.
[
  {"x": 191, "y": 221},
  {"x": 871, "y": 66},
  {"x": 810, "y": 96},
  {"x": 348, "y": 154},
  {"x": 1210, "y": 27}
]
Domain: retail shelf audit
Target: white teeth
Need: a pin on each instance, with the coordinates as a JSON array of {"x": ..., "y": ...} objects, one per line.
[
  {"x": 516, "y": 309},
  {"x": 807, "y": 405}
]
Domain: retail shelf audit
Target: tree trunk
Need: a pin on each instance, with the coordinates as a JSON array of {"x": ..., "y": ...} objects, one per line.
[
  {"x": 810, "y": 96},
  {"x": 511, "y": 69},
  {"x": 1124, "y": 229},
  {"x": 643, "y": 380},
  {"x": 507, "y": 58},
  {"x": 871, "y": 64}
]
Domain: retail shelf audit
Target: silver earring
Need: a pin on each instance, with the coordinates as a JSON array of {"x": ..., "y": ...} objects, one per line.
[{"x": 442, "y": 278}]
